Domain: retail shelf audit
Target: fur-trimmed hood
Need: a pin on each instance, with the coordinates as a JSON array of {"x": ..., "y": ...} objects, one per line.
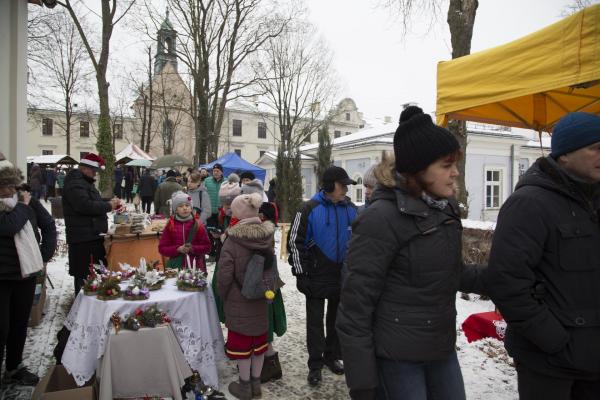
[
  {"x": 10, "y": 175},
  {"x": 256, "y": 236}
]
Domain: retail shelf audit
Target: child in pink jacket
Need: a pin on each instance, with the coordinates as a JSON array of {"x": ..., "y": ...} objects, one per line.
[{"x": 178, "y": 242}]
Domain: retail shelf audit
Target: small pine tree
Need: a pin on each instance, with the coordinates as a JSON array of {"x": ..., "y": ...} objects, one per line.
[{"x": 323, "y": 153}]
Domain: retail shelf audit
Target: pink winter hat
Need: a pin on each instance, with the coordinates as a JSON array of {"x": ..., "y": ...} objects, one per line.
[
  {"x": 229, "y": 190},
  {"x": 246, "y": 206}
]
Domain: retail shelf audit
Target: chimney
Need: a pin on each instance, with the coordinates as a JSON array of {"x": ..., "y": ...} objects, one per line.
[{"x": 387, "y": 119}]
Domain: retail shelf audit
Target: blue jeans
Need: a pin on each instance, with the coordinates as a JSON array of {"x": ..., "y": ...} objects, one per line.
[{"x": 420, "y": 380}]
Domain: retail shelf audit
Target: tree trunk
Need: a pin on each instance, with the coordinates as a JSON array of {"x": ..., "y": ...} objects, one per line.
[
  {"x": 104, "y": 140},
  {"x": 68, "y": 113},
  {"x": 461, "y": 19}
]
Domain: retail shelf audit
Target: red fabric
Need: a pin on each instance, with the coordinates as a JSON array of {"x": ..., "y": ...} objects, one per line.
[
  {"x": 484, "y": 325},
  {"x": 175, "y": 235},
  {"x": 240, "y": 346}
]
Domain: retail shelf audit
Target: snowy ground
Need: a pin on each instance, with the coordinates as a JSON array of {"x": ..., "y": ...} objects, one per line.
[{"x": 487, "y": 370}]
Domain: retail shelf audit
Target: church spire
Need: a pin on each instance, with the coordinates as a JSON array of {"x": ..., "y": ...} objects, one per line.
[{"x": 166, "y": 49}]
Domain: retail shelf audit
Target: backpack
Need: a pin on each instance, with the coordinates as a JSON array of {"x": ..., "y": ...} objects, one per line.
[{"x": 257, "y": 279}]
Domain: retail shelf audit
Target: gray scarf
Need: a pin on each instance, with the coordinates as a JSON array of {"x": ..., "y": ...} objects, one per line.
[
  {"x": 181, "y": 219},
  {"x": 433, "y": 203}
]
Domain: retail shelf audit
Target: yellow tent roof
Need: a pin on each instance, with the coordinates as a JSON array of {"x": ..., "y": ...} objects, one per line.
[{"x": 530, "y": 82}]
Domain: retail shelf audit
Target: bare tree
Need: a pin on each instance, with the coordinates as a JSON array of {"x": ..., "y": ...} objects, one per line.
[
  {"x": 298, "y": 86},
  {"x": 577, "y": 6},
  {"x": 215, "y": 40},
  {"x": 461, "y": 19},
  {"x": 109, "y": 19},
  {"x": 57, "y": 53}
]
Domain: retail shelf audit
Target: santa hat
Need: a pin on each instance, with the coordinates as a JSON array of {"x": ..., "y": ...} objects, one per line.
[
  {"x": 93, "y": 161},
  {"x": 9, "y": 174}
]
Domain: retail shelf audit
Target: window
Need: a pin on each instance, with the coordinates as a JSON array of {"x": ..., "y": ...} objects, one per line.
[
  {"x": 237, "y": 127},
  {"x": 262, "y": 130},
  {"x": 261, "y": 153},
  {"x": 493, "y": 182},
  {"x": 84, "y": 129},
  {"x": 347, "y": 116},
  {"x": 337, "y": 134},
  {"x": 83, "y": 154},
  {"x": 347, "y": 133},
  {"x": 118, "y": 131},
  {"x": 47, "y": 125},
  {"x": 47, "y": 152},
  {"x": 308, "y": 138},
  {"x": 238, "y": 152},
  {"x": 358, "y": 190}
]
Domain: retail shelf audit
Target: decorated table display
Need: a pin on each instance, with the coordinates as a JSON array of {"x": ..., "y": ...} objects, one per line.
[
  {"x": 148, "y": 276},
  {"x": 134, "y": 292},
  {"x": 148, "y": 317},
  {"x": 109, "y": 289},
  {"x": 192, "y": 280},
  {"x": 194, "y": 321}
]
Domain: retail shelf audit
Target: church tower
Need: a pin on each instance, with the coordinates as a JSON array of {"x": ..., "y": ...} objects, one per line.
[{"x": 165, "y": 51}]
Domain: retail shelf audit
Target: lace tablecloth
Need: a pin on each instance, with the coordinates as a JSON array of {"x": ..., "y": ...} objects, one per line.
[{"x": 193, "y": 318}]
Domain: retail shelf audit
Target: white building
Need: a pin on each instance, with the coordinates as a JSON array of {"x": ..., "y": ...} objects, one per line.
[{"x": 495, "y": 159}]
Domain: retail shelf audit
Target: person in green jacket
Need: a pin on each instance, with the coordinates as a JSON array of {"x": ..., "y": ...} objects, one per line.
[
  {"x": 164, "y": 192},
  {"x": 213, "y": 184}
]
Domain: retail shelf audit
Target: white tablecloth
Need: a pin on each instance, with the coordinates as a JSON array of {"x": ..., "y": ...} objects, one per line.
[{"x": 194, "y": 319}]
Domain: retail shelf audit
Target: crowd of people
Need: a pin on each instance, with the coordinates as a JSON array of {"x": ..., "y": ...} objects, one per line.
[{"x": 380, "y": 280}]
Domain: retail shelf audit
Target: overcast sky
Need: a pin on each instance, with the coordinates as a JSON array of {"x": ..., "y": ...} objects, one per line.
[
  {"x": 381, "y": 70},
  {"x": 379, "y": 67}
]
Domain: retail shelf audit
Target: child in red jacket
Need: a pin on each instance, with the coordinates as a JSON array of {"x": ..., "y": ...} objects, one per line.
[{"x": 184, "y": 239}]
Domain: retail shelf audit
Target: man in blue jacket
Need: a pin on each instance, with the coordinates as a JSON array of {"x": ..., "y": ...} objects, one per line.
[{"x": 317, "y": 246}]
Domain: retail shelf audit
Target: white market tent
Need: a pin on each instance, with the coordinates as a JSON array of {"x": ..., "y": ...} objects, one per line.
[{"x": 132, "y": 152}]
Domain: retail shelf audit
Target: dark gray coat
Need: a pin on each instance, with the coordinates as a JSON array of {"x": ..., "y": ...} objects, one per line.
[
  {"x": 404, "y": 269},
  {"x": 544, "y": 273}
]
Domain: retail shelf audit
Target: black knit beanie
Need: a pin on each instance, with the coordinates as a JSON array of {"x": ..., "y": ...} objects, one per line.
[{"x": 418, "y": 142}]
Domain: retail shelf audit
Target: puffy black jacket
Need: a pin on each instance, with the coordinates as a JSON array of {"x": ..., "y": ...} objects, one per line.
[
  {"x": 544, "y": 273},
  {"x": 11, "y": 222},
  {"x": 84, "y": 209},
  {"x": 404, "y": 269}
]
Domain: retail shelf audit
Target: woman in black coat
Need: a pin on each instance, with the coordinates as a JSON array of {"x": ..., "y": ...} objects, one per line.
[
  {"x": 397, "y": 315},
  {"x": 16, "y": 291}
]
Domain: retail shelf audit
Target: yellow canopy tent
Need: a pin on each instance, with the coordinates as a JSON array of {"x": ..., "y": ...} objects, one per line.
[{"x": 530, "y": 82}]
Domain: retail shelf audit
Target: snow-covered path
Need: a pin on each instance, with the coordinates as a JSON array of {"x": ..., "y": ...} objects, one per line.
[{"x": 487, "y": 371}]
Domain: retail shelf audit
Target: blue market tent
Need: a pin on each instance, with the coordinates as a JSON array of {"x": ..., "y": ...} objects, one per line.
[{"x": 231, "y": 162}]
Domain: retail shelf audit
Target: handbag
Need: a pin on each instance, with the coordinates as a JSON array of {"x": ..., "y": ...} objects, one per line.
[{"x": 177, "y": 262}]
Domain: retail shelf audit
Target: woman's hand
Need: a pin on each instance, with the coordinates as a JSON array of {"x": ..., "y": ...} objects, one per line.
[{"x": 184, "y": 249}]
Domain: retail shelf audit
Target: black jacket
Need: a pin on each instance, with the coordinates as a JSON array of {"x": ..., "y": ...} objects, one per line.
[
  {"x": 148, "y": 186},
  {"x": 404, "y": 269},
  {"x": 84, "y": 209},
  {"x": 11, "y": 222},
  {"x": 544, "y": 273}
]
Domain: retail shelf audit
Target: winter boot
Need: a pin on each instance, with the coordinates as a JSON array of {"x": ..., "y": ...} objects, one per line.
[
  {"x": 256, "y": 391},
  {"x": 20, "y": 376},
  {"x": 271, "y": 369},
  {"x": 241, "y": 390}
]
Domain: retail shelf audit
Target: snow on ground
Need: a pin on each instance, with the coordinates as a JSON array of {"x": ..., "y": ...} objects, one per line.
[{"x": 487, "y": 370}]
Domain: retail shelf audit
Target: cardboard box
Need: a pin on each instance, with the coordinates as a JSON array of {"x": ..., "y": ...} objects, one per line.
[
  {"x": 37, "y": 310},
  {"x": 57, "y": 384}
]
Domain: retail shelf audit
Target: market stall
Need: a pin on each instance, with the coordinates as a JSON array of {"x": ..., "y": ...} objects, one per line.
[
  {"x": 193, "y": 317},
  {"x": 528, "y": 83}
]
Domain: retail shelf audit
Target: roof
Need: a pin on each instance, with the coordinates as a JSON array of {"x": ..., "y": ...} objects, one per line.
[
  {"x": 52, "y": 159},
  {"x": 530, "y": 82}
]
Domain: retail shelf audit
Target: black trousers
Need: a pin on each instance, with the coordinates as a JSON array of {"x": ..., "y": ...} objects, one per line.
[
  {"x": 146, "y": 203},
  {"x": 16, "y": 299},
  {"x": 213, "y": 222},
  {"x": 321, "y": 347},
  {"x": 80, "y": 256},
  {"x": 535, "y": 386}
]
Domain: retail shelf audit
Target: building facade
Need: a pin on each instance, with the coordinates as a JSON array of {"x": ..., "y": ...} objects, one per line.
[{"x": 496, "y": 157}]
